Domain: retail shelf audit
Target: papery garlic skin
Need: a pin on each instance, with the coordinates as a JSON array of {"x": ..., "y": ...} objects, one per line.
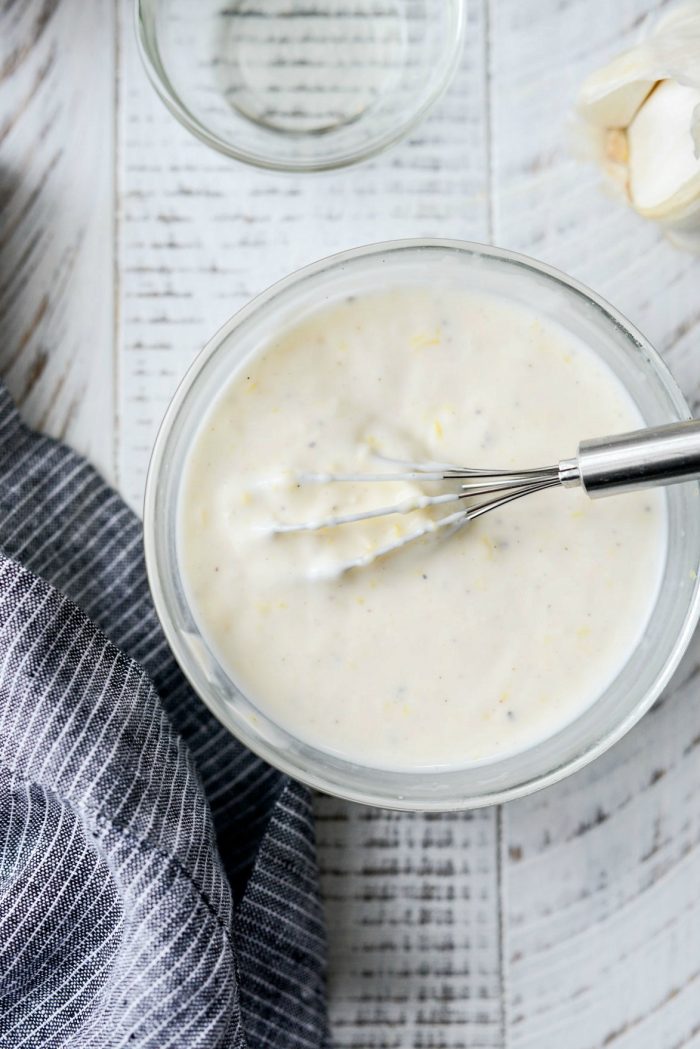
[{"x": 643, "y": 113}]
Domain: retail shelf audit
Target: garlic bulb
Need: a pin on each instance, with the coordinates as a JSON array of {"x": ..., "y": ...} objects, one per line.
[{"x": 643, "y": 113}]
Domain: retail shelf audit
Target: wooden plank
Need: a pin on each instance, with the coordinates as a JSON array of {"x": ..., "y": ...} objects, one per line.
[
  {"x": 412, "y": 902},
  {"x": 602, "y": 928},
  {"x": 56, "y": 219}
]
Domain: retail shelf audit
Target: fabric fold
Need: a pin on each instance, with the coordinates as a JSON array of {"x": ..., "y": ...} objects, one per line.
[{"x": 158, "y": 882}]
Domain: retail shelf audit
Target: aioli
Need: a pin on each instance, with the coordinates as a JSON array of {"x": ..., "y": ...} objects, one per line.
[{"x": 448, "y": 651}]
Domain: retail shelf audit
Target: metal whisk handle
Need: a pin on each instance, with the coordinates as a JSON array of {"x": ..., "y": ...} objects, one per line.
[{"x": 629, "y": 461}]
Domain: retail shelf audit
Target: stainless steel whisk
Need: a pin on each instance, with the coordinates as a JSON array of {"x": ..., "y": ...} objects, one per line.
[{"x": 604, "y": 466}]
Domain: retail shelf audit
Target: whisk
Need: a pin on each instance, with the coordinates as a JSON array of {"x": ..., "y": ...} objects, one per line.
[{"x": 604, "y": 466}]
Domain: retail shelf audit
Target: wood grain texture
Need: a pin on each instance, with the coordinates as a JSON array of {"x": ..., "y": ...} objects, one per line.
[
  {"x": 412, "y": 905},
  {"x": 601, "y": 919},
  {"x": 56, "y": 217}
]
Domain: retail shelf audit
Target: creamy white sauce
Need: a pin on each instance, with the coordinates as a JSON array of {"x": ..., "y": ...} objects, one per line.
[{"x": 448, "y": 650}]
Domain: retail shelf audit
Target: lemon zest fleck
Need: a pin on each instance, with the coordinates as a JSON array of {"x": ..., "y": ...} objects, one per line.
[
  {"x": 486, "y": 540},
  {"x": 423, "y": 340}
]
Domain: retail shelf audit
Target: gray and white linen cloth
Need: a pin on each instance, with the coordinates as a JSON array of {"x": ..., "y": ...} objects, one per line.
[{"x": 158, "y": 883}]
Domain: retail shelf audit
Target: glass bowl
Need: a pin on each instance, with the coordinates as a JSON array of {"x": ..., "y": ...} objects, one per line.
[
  {"x": 473, "y": 267},
  {"x": 304, "y": 85}
]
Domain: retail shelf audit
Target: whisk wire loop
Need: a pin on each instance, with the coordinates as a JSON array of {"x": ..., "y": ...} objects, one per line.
[
  {"x": 506, "y": 486},
  {"x": 625, "y": 462}
]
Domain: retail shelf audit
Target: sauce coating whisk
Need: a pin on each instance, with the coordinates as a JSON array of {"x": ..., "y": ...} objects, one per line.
[{"x": 604, "y": 466}]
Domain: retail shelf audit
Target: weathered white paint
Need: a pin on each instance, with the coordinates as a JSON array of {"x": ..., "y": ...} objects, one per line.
[
  {"x": 581, "y": 902},
  {"x": 412, "y": 909},
  {"x": 600, "y": 904},
  {"x": 57, "y": 351}
]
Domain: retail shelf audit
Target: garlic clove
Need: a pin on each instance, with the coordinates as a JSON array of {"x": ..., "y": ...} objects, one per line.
[
  {"x": 664, "y": 167},
  {"x": 641, "y": 123}
]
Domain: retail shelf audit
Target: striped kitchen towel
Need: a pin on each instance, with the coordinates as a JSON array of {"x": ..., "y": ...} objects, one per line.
[{"x": 158, "y": 883}]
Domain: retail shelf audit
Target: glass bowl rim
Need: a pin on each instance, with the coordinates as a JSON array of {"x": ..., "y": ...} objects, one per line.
[
  {"x": 164, "y": 88},
  {"x": 243, "y": 731}
]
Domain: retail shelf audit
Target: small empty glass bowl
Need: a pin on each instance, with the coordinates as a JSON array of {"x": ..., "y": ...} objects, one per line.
[{"x": 300, "y": 85}]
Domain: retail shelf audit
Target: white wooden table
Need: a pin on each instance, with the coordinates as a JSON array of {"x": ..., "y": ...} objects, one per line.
[{"x": 569, "y": 919}]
